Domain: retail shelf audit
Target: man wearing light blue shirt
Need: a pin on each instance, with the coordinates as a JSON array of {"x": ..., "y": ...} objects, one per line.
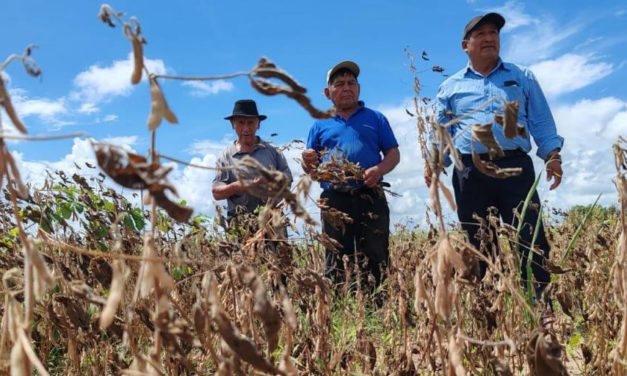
[{"x": 476, "y": 93}]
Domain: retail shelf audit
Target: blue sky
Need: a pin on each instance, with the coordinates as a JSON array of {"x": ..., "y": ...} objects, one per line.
[{"x": 577, "y": 49}]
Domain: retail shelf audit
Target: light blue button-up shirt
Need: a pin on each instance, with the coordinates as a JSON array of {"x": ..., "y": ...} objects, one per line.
[{"x": 467, "y": 90}]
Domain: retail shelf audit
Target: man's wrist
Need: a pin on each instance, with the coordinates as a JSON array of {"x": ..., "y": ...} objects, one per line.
[{"x": 554, "y": 156}]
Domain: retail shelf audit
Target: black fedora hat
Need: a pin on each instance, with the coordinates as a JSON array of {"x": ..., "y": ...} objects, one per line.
[
  {"x": 245, "y": 108},
  {"x": 493, "y": 18}
]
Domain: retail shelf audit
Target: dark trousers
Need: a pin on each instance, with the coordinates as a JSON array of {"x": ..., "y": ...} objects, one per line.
[
  {"x": 366, "y": 239},
  {"x": 476, "y": 192}
]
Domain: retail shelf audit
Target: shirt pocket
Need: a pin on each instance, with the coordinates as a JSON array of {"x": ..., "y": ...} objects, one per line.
[{"x": 513, "y": 93}]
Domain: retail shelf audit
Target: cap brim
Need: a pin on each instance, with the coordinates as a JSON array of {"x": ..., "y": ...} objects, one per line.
[
  {"x": 351, "y": 66},
  {"x": 261, "y": 117},
  {"x": 493, "y": 18}
]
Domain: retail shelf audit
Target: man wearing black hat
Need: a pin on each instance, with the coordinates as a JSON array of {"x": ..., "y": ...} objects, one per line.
[
  {"x": 477, "y": 93},
  {"x": 364, "y": 137},
  {"x": 245, "y": 120}
]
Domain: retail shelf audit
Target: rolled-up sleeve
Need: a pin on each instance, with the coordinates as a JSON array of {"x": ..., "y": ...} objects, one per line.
[
  {"x": 540, "y": 120},
  {"x": 223, "y": 175}
]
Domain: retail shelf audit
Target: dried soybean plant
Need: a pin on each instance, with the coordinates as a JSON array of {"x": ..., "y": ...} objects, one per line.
[
  {"x": 36, "y": 277},
  {"x": 620, "y": 265}
]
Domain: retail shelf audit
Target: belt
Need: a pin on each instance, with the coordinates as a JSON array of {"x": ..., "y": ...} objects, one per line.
[{"x": 507, "y": 154}]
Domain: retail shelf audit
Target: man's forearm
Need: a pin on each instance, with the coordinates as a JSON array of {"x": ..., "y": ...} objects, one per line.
[
  {"x": 390, "y": 160},
  {"x": 222, "y": 192}
]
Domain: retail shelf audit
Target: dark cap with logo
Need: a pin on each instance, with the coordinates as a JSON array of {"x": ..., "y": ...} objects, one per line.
[{"x": 493, "y": 18}]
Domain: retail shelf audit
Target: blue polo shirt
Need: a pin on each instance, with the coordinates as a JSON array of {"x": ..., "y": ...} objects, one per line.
[
  {"x": 466, "y": 92},
  {"x": 362, "y": 138}
]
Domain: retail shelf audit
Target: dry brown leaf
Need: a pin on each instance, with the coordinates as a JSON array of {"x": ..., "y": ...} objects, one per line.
[
  {"x": 492, "y": 170},
  {"x": 544, "y": 354},
  {"x": 483, "y": 134},
  {"x": 510, "y": 121},
  {"x": 448, "y": 195},
  {"x": 135, "y": 172}
]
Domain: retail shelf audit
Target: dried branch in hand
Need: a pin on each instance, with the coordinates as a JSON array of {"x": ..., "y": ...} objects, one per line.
[
  {"x": 159, "y": 106},
  {"x": 135, "y": 172},
  {"x": 491, "y": 169},
  {"x": 266, "y": 69},
  {"x": 483, "y": 133}
]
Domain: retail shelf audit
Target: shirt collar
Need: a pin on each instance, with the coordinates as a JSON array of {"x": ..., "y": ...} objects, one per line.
[
  {"x": 233, "y": 151},
  {"x": 360, "y": 106},
  {"x": 499, "y": 65}
]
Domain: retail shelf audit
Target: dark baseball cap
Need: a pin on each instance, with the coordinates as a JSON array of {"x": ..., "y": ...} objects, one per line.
[{"x": 493, "y": 18}]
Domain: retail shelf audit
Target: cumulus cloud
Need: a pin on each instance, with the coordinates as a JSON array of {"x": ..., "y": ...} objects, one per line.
[
  {"x": 538, "y": 42},
  {"x": 47, "y": 110},
  {"x": 204, "y": 89},
  {"x": 101, "y": 83},
  {"x": 569, "y": 72},
  {"x": 514, "y": 14},
  {"x": 589, "y": 127}
]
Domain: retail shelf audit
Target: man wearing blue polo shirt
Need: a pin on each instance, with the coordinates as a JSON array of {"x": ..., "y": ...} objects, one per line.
[
  {"x": 489, "y": 80},
  {"x": 364, "y": 137}
]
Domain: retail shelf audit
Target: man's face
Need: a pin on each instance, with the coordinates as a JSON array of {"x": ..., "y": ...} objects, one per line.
[
  {"x": 483, "y": 44},
  {"x": 246, "y": 128},
  {"x": 343, "y": 91}
]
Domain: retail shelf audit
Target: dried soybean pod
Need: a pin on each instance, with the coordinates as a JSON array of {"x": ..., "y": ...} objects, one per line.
[
  {"x": 113, "y": 301},
  {"x": 138, "y": 56},
  {"x": 159, "y": 108},
  {"x": 10, "y": 110}
]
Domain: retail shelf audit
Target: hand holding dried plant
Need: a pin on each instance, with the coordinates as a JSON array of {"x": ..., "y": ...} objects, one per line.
[
  {"x": 554, "y": 169},
  {"x": 310, "y": 160}
]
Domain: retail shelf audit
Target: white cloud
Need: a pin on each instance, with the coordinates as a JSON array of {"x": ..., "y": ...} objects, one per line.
[
  {"x": 126, "y": 142},
  {"x": 203, "y": 147},
  {"x": 109, "y": 118},
  {"x": 514, "y": 14},
  {"x": 88, "y": 108},
  {"x": 538, "y": 42},
  {"x": 569, "y": 72},
  {"x": 102, "y": 83},
  {"x": 589, "y": 127},
  {"x": 48, "y": 110},
  {"x": 203, "y": 89}
]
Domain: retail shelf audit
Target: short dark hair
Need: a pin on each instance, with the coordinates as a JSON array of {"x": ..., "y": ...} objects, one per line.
[{"x": 341, "y": 72}]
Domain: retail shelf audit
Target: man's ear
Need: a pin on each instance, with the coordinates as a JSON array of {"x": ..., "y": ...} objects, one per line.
[
  {"x": 327, "y": 93},
  {"x": 465, "y": 45}
]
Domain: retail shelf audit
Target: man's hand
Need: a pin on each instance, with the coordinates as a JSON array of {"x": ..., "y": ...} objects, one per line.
[
  {"x": 310, "y": 160},
  {"x": 554, "y": 169},
  {"x": 372, "y": 176}
]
